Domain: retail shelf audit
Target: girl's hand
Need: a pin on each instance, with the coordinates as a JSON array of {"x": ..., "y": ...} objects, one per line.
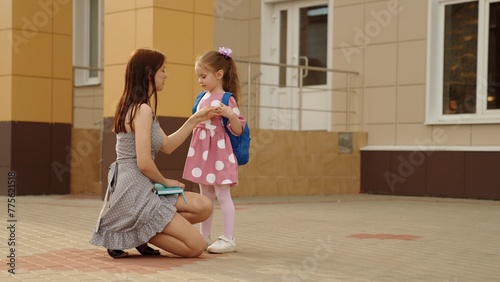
[
  {"x": 174, "y": 183},
  {"x": 225, "y": 111}
]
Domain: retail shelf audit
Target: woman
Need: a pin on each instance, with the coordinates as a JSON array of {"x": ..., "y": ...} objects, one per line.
[{"x": 136, "y": 214}]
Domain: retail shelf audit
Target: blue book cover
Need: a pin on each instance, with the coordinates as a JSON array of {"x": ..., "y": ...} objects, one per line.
[{"x": 162, "y": 190}]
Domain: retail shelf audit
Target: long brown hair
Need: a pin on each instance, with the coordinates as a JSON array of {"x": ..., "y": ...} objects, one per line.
[
  {"x": 141, "y": 68},
  {"x": 214, "y": 61}
]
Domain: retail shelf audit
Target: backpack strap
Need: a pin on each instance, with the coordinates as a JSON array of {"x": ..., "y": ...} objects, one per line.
[
  {"x": 197, "y": 101},
  {"x": 225, "y": 101}
]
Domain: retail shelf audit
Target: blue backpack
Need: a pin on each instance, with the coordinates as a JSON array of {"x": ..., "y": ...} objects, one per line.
[{"x": 240, "y": 144}]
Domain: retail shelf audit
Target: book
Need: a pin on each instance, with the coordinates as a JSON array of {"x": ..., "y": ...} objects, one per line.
[{"x": 162, "y": 190}]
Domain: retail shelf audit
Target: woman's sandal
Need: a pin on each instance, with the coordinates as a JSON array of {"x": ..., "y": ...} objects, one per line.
[
  {"x": 117, "y": 253},
  {"x": 146, "y": 250}
]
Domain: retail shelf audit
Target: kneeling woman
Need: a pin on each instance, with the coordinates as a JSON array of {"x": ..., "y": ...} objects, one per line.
[{"x": 137, "y": 215}]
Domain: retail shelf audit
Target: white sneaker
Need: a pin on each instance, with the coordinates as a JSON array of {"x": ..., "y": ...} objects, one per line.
[{"x": 222, "y": 245}]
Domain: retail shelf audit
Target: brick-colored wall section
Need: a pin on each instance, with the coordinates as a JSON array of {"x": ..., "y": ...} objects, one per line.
[
  {"x": 39, "y": 154},
  {"x": 86, "y": 161},
  {"x": 455, "y": 174},
  {"x": 286, "y": 163}
]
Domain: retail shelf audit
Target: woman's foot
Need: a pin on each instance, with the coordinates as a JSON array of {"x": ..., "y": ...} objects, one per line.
[
  {"x": 117, "y": 253},
  {"x": 146, "y": 250}
]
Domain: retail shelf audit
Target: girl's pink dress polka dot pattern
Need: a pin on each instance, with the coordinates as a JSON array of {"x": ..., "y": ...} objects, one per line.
[{"x": 210, "y": 158}]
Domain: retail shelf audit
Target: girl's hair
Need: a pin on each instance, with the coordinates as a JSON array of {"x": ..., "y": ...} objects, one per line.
[
  {"x": 214, "y": 61},
  {"x": 141, "y": 69}
]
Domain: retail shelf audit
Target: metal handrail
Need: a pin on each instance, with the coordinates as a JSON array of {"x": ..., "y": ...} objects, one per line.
[
  {"x": 296, "y": 66},
  {"x": 301, "y": 69}
]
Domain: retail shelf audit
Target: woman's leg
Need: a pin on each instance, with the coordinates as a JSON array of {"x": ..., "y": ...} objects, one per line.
[
  {"x": 180, "y": 238},
  {"x": 197, "y": 209},
  {"x": 223, "y": 193}
]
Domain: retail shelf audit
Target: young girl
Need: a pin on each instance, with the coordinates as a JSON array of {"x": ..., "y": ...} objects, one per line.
[
  {"x": 136, "y": 214},
  {"x": 210, "y": 161}
]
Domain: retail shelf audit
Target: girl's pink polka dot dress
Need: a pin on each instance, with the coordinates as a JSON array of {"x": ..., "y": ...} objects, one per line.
[{"x": 210, "y": 158}]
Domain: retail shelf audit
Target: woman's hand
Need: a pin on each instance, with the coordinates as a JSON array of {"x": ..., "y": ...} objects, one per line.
[
  {"x": 174, "y": 183},
  {"x": 207, "y": 112}
]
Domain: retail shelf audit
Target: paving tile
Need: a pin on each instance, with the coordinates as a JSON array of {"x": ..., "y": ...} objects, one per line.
[{"x": 320, "y": 238}]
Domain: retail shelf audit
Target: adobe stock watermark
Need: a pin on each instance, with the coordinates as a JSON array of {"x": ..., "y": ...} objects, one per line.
[
  {"x": 223, "y": 6},
  {"x": 310, "y": 264},
  {"x": 76, "y": 155},
  {"x": 31, "y": 26},
  {"x": 415, "y": 159},
  {"x": 372, "y": 29}
]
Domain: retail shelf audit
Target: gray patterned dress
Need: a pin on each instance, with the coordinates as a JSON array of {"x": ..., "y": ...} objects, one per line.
[{"x": 135, "y": 212}]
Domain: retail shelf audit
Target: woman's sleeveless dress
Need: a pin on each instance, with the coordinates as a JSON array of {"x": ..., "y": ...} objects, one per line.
[{"x": 136, "y": 213}]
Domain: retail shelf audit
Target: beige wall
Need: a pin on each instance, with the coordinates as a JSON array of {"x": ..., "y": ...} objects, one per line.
[
  {"x": 386, "y": 44},
  {"x": 237, "y": 26},
  {"x": 391, "y": 56}
]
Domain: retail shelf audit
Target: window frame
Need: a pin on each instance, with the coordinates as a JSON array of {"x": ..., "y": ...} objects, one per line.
[
  {"x": 81, "y": 43},
  {"x": 435, "y": 51}
]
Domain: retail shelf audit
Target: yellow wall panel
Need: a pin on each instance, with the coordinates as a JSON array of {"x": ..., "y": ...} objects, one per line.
[
  {"x": 6, "y": 97},
  {"x": 120, "y": 34},
  {"x": 6, "y": 18},
  {"x": 34, "y": 58},
  {"x": 144, "y": 4},
  {"x": 62, "y": 101},
  {"x": 31, "y": 99},
  {"x": 177, "y": 97},
  {"x": 173, "y": 35},
  {"x": 144, "y": 27},
  {"x": 114, "y": 81},
  {"x": 203, "y": 34},
  {"x": 5, "y": 53},
  {"x": 63, "y": 17},
  {"x": 184, "y": 5},
  {"x": 205, "y": 7},
  {"x": 63, "y": 56},
  {"x": 32, "y": 16},
  {"x": 111, "y": 6}
]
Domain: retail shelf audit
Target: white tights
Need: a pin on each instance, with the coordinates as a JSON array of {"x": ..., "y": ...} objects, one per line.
[{"x": 223, "y": 194}]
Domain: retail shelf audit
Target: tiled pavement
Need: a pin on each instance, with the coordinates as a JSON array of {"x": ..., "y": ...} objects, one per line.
[{"x": 328, "y": 238}]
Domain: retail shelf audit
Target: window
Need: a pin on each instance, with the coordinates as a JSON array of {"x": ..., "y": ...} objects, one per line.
[
  {"x": 313, "y": 42},
  {"x": 87, "y": 41},
  {"x": 463, "y": 73}
]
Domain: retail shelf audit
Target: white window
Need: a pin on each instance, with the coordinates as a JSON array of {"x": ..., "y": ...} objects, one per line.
[
  {"x": 87, "y": 26},
  {"x": 463, "y": 67}
]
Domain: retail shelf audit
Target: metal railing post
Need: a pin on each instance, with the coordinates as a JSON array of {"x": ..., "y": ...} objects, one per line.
[
  {"x": 249, "y": 77},
  {"x": 348, "y": 97},
  {"x": 301, "y": 78}
]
